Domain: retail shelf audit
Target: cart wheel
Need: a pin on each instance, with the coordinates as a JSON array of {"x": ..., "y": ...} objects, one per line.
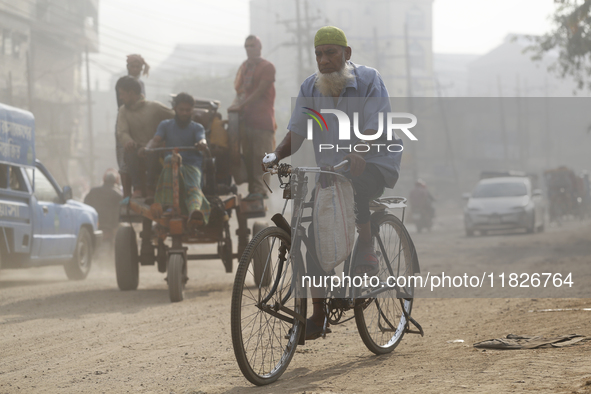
[
  {"x": 262, "y": 271},
  {"x": 177, "y": 277},
  {"x": 225, "y": 252},
  {"x": 225, "y": 249},
  {"x": 126, "y": 258},
  {"x": 243, "y": 232}
]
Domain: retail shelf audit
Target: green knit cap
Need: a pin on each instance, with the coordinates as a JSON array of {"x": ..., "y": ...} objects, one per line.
[{"x": 330, "y": 35}]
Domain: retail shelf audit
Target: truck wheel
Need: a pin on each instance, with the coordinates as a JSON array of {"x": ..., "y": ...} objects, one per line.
[
  {"x": 126, "y": 258},
  {"x": 262, "y": 276},
  {"x": 79, "y": 267},
  {"x": 176, "y": 278}
]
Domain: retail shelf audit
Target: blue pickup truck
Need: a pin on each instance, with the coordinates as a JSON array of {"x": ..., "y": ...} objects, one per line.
[{"x": 40, "y": 224}]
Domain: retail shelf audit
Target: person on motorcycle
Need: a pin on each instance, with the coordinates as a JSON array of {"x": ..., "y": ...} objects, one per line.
[{"x": 420, "y": 202}]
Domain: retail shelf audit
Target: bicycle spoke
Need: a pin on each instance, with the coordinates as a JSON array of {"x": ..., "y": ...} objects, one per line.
[
  {"x": 382, "y": 322},
  {"x": 261, "y": 344}
]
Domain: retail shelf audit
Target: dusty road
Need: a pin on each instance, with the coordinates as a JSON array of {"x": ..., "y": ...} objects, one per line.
[{"x": 58, "y": 336}]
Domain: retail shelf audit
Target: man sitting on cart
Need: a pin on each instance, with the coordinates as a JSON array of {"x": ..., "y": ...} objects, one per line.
[
  {"x": 181, "y": 131},
  {"x": 137, "y": 122}
]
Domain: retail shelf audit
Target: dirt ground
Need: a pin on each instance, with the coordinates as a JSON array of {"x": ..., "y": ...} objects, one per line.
[{"x": 58, "y": 336}]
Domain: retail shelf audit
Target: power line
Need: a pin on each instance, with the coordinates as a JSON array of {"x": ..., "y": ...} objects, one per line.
[
  {"x": 177, "y": 21},
  {"x": 136, "y": 11},
  {"x": 120, "y": 35},
  {"x": 173, "y": 65}
]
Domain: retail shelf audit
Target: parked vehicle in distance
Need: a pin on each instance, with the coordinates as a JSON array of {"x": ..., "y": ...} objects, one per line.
[
  {"x": 504, "y": 203},
  {"x": 40, "y": 224}
]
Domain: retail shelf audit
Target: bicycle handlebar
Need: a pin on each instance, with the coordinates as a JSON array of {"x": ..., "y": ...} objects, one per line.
[
  {"x": 284, "y": 170},
  {"x": 206, "y": 152},
  {"x": 179, "y": 148},
  {"x": 277, "y": 169}
]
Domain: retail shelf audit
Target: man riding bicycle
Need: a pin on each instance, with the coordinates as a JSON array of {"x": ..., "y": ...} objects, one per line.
[{"x": 360, "y": 93}]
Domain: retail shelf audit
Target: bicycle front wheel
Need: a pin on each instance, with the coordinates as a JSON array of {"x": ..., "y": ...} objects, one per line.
[
  {"x": 265, "y": 333},
  {"x": 381, "y": 320}
]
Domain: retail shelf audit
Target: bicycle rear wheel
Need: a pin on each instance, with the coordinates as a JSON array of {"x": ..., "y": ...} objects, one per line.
[
  {"x": 381, "y": 321},
  {"x": 264, "y": 334}
]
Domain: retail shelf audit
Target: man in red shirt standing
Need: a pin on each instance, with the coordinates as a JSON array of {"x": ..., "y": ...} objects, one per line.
[{"x": 255, "y": 97}]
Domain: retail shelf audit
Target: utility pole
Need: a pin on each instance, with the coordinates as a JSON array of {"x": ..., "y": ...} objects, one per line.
[
  {"x": 376, "y": 48},
  {"x": 303, "y": 38},
  {"x": 503, "y": 126},
  {"x": 548, "y": 147},
  {"x": 450, "y": 150},
  {"x": 9, "y": 88},
  {"x": 308, "y": 40},
  {"x": 30, "y": 88},
  {"x": 299, "y": 42},
  {"x": 90, "y": 134},
  {"x": 408, "y": 70},
  {"x": 520, "y": 128},
  {"x": 414, "y": 151},
  {"x": 525, "y": 122}
]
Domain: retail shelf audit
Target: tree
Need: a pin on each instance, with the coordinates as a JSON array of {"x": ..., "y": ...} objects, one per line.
[{"x": 570, "y": 39}]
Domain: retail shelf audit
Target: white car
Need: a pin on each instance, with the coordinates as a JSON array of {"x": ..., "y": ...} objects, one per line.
[{"x": 502, "y": 204}]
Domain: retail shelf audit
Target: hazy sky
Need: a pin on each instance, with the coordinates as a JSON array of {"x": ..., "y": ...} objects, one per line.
[
  {"x": 153, "y": 27},
  {"x": 477, "y": 26}
]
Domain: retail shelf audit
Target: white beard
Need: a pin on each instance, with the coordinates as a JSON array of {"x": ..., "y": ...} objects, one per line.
[{"x": 332, "y": 84}]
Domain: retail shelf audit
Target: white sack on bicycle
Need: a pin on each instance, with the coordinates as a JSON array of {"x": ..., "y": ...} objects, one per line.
[{"x": 334, "y": 221}]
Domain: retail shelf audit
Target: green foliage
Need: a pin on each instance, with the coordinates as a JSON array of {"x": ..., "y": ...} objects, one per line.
[{"x": 570, "y": 40}]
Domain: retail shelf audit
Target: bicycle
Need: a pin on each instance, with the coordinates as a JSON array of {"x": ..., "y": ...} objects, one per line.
[{"x": 268, "y": 313}]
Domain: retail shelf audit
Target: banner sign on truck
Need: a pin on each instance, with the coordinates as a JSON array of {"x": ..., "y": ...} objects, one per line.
[{"x": 17, "y": 136}]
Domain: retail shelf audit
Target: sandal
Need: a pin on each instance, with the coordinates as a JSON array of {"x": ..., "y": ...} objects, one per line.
[
  {"x": 314, "y": 331},
  {"x": 367, "y": 263}
]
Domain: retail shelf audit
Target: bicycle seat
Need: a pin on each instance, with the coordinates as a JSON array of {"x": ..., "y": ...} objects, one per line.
[{"x": 382, "y": 203}]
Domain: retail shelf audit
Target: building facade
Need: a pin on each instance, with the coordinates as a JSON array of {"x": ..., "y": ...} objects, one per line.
[{"x": 41, "y": 69}]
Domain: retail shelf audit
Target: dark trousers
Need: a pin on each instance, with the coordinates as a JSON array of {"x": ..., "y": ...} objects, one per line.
[
  {"x": 367, "y": 186},
  {"x": 140, "y": 168}
]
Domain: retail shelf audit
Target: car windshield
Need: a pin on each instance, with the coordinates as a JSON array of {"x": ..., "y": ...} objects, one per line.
[{"x": 508, "y": 189}]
